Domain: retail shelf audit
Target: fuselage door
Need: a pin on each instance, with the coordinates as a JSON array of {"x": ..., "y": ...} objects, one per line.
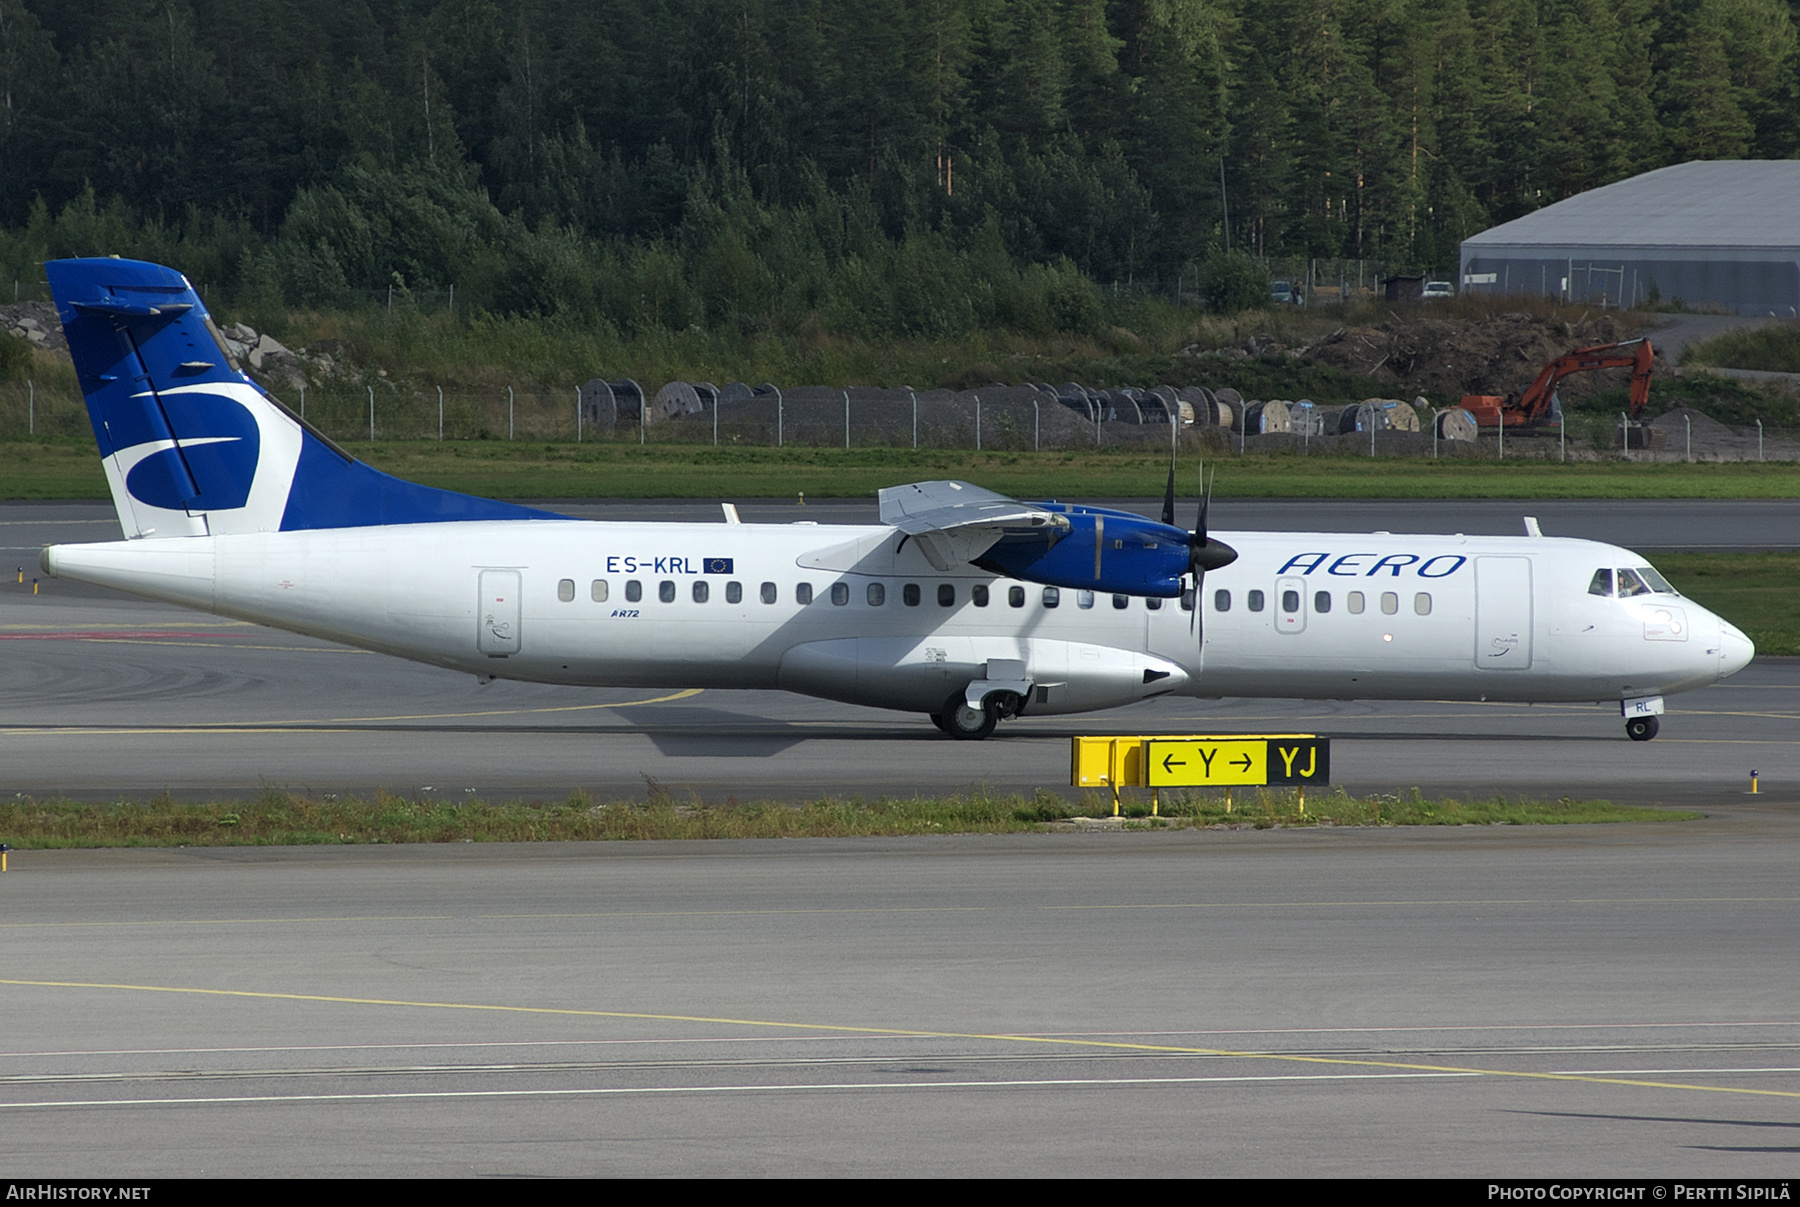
[
  {"x": 1503, "y": 613},
  {"x": 497, "y": 613}
]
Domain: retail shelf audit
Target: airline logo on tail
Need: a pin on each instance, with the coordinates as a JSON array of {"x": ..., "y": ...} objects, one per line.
[{"x": 191, "y": 446}]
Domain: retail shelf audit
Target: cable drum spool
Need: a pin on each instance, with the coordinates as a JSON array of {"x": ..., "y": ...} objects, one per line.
[
  {"x": 1268, "y": 418},
  {"x": 1456, "y": 424}
]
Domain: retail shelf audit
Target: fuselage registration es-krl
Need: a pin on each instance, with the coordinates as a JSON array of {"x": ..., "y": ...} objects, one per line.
[{"x": 963, "y": 605}]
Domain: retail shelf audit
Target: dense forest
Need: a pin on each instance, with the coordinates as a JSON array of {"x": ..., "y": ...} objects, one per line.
[{"x": 909, "y": 167}]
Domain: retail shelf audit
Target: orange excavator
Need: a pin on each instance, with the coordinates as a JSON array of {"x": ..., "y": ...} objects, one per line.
[{"x": 1538, "y": 404}]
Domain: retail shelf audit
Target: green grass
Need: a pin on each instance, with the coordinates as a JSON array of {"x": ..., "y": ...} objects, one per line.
[
  {"x": 69, "y": 468},
  {"x": 1754, "y": 591},
  {"x": 278, "y": 818},
  {"x": 1775, "y": 348}
]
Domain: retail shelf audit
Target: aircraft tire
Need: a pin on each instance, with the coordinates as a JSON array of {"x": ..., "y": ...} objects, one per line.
[
  {"x": 937, "y": 718},
  {"x": 1642, "y": 729},
  {"x": 967, "y": 724}
]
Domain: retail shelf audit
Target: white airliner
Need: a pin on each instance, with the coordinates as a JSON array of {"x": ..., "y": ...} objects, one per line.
[{"x": 962, "y": 604}]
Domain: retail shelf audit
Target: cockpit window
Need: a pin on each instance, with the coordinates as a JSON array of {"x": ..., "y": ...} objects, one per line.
[
  {"x": 1630, "y": 584},
  {"x": 1602, "y": 584},
  {"x": 1657, "y": 582}
]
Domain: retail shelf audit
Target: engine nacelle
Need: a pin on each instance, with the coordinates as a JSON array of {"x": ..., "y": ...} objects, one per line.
[{"x": 1115, "y": 552}]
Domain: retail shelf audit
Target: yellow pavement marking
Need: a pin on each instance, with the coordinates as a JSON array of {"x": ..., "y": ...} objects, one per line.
[{"x": 1000, "y": 1037}]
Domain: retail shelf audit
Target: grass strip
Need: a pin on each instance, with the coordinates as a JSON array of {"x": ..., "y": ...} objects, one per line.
[
  {"x": 278, "y": 818},
  {"x": 69, "y": 468}
]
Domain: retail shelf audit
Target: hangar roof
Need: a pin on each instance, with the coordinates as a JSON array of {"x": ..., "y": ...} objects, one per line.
[{"x": 1736, "y": 203}]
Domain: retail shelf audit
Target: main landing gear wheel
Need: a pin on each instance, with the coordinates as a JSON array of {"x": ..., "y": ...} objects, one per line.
[
  {"x": 1641, "y": 729},
  {"x": 965, "y": 723},
  {"x": 937, "y": 719}
]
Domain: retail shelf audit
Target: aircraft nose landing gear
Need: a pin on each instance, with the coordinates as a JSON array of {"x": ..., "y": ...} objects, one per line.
[{"x": 1641, "y": 729}]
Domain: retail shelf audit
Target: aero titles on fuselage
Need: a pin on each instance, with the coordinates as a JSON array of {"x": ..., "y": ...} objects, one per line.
[
  {"x": 1373, "y": 565},
  {"x": 620, "y": 564}
]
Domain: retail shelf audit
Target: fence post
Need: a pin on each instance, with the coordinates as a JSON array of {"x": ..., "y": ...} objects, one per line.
[
  {"x": 1502, "y": 430},
  {"x": 915, "y": 402},
  {"x": 846, "y": 420},
  {"x": 578, "y": 419},
  {"x": 1434, "y": 436},
  {"x": 452, "y": 307},
  {"x": 1759, "y": 452},
  {"x": 510, "y": 411},
  {"x": 1562, "y": 436},
  {"x": 777, "y": 416},
  {"x": 31, "y": 407},
  {"x": 1624, "y": 438},
  {"x": 303, "y": 400},
  {"x": 1035, "y": 413},
  {"x": 977, "y": 423},
  {"x": 1688, "y": 423},
  {"x": 440, "y": 391}
]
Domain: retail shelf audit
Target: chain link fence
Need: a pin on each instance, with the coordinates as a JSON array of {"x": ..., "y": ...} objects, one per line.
[{"x": 1000, "y": 418}]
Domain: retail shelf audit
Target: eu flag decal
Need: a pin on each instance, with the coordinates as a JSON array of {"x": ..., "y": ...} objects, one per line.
[{"x": 716, "y": 565}]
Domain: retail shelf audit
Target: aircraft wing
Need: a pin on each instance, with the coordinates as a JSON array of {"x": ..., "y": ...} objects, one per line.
[{"x": 955, "y": 522}]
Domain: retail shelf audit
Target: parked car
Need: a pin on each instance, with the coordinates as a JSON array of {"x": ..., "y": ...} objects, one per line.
[
  {"x": 1284, "y": 293},
  {"x": 1438, "y": 289}
]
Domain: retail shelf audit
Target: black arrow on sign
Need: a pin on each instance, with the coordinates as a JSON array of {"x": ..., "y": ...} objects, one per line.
[
  {"x": 1243, "y": 766},
  {"x": 1170, "y": 763}
]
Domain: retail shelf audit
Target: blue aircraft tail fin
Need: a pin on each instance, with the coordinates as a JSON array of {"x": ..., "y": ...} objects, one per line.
[{"x": 191, "y": 445}]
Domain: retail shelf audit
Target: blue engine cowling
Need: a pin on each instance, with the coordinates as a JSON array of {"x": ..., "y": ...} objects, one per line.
[{"x": 1116, "y": 552}]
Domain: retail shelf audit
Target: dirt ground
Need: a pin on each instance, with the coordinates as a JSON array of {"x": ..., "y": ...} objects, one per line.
[{"x": 1444, "y": 359}]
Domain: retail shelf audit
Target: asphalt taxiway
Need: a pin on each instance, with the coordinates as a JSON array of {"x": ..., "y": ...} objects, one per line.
[{"x": 1612, "y": 1001}]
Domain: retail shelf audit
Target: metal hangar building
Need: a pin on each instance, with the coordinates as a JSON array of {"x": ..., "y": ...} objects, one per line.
[{"x": 1720, "y": 233}]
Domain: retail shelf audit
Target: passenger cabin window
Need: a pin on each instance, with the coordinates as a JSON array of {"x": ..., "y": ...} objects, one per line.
[
  {"x": 768, "y": 593},
  {"x": 1153, "y": 603},
  {"x": 946, "y": 595},
  {"x": 1321, "y": 602},
  {"x": 1121, "y": 602},
  {"x": 909, "y": 595},
  {"x": 1253, "y": 600},
  {"x": 840, "y": 594},
  {"x": 634, "y": 590},
  {"x": 1052, "y": 597},
  {"x": 598, "y": 590},
  {"x": 1221, "y": 601},
  {"x": 978, "y": 595},
  {"x": 734, "y": 593},
  {"x": 1390, "y": 603},
  {"x": 665, "y": 591},
  {"x": 702, "y": 590},
  {"x": 1187, "y": 600},
  {"x": 1084, "y": 599},
  {"x": 565, "y": 590},
  {"x": 1290, "y": 601},
  {"x": 1015, "y": 597},
  {"x": 877, "y": 595},
  {"x": 1602, "y": 584},
  {"x": 1353, "y": 603},
  {"x": 1422, "y": 603},
  {"x": 803, "y": 594}
]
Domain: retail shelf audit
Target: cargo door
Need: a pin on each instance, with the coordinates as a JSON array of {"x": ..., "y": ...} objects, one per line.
[
  {"x": 1502, "y": 613},
  {"x": 497, "y": 613}
]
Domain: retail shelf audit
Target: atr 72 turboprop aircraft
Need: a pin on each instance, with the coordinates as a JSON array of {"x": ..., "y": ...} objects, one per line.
[{"x": 962, "y": 604}]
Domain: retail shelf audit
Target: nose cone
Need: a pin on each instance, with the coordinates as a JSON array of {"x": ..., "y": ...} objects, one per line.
[{"x": 1735, "y": 650}]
